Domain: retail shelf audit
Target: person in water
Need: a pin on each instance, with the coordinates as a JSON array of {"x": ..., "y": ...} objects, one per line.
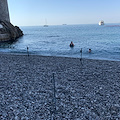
[
  {"x": 89, "y": 50},
  {"x": 71, "y": 44}
]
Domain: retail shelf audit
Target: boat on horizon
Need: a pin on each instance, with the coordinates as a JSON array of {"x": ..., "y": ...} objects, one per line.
[
  {"x": 101, "y": 22},
  {"x": 64, "y": 24},
  {"x": 45, "y": 24}
]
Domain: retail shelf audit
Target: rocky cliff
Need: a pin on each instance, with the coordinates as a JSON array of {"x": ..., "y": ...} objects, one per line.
[{"x": 8, "y": 32}]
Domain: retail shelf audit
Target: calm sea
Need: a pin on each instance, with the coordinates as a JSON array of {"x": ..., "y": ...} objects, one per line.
[{"x": 104, "y": 41}]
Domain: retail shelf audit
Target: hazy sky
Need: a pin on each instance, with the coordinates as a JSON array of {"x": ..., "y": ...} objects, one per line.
[{"x": 57, "y": 12}]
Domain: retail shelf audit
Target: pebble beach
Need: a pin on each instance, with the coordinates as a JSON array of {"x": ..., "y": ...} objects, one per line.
[{"x": 45, "y": 88}]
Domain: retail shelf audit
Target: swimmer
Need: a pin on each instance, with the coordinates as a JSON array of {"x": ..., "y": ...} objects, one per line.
[
  {"x": 71, "y": 44},
  {"x": 89, "y": 50}
]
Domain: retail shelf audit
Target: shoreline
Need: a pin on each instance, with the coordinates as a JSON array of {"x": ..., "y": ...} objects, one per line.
[
  {"x": 87, "y": 90},
  {"x": 31, "y": 54}
]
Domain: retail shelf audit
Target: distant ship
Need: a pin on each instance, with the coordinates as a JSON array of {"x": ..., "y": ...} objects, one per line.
[
  {"x": 64, "y": 24},
  {"x": 101, "y": 22}
]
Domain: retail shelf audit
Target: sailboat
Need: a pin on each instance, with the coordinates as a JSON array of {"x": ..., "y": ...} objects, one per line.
[{"x": 45, "y": 24}]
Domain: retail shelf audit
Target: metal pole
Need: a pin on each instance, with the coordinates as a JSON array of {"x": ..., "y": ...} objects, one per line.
[
  {"x": 54, "y": 98},
  {"x": 81, "y": 55},
  {"x": 27, "y": 51}
]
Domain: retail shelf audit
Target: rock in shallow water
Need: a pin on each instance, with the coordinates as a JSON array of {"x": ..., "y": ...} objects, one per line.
[{"x": 8, "y": 32}]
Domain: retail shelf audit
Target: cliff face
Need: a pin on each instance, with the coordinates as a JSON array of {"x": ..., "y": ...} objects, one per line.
[
  {"x": 8, "y": 32},
  {"x": 4, "y": 12}
]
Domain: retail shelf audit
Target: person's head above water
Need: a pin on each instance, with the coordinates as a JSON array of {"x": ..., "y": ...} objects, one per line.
[
  {"x": 71, "y": 44},
  {"x": 89, "y": 51}
]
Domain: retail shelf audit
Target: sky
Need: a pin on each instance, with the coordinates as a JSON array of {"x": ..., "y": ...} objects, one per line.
[{"x": 58, "y": 12}]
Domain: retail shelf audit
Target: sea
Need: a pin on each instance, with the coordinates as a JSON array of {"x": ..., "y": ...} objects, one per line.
[{"x": 54, "y": 40}]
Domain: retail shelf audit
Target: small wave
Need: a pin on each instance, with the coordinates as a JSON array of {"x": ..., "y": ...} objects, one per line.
[
  {"x": 112, "y": 25},
  {"x": 54, "y": 36}
]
